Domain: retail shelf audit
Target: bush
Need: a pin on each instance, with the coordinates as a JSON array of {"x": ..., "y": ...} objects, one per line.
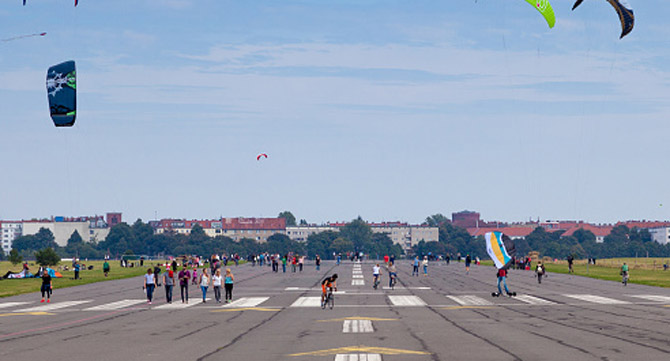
[
  {"x": 15, "y": 257},
  {"x": 47, "y": 257}
]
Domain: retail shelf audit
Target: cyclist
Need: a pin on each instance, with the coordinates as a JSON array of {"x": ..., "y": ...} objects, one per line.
[
  {"x": 392, "y": 274},
  {"x": 624, "y": 274},
  {"x": 329, "y": 282},
  {"x": 376, "y": 273}
]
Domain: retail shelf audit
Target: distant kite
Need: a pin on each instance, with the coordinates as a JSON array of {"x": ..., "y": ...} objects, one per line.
[
  {"x": 625, "y": 12},
  {"x": 261, "y": 155},
  {"x": 62, "y": 93},
  {"x": 23, "y": 36}
]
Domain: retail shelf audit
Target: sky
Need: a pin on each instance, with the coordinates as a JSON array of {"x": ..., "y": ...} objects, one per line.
[{"x": 384, "y": 109}]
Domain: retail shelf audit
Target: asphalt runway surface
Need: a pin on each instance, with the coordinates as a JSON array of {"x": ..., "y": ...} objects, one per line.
[{"x": 448, "y": 315}]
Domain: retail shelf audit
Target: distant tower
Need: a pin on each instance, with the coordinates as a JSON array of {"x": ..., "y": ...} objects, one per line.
[{"x": 113, "y": 219}]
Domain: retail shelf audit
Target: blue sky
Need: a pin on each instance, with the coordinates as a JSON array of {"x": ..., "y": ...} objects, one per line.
[{"x": 392, "y": 110}]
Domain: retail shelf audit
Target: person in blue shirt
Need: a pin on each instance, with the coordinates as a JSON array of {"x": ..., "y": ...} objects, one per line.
[
  {"x": 77, "y": 267},
  {"x": 415, "y": 270}
]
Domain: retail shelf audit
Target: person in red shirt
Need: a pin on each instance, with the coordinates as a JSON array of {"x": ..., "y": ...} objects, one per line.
[{"x": 502, "y": 275}]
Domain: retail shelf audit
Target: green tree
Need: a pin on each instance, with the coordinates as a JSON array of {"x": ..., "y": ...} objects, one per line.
[
  {"x": 47, "y": 257},
  {"x": 42, "y": 239},
  {"x": 436, "y": 220},
  {"x": 282, "y": 244},
  {"x": 2, "y": 255},
  {"x": 320, "y": 244},
  {"x": 289, "y": 217},
  {"x": 341, "y": 245},
  {"x": 358, "y": 232},
  {"x": 303, "y": 222},
  {"x": 14, "y": 257},
  {"x": 120, "y": 239}
]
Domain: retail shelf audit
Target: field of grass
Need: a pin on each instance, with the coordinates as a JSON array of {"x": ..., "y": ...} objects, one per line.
[
  {"x": 12, "y": 287},
  {"x": 644, "y": 271}
]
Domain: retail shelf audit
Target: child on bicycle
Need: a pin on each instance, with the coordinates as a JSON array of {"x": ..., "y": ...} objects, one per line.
[{"x": 329, "y": 282}]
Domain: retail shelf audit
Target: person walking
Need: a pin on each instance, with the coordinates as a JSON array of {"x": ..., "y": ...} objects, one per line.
[
  {"x": 216, "y": 283},
  {"x": 294, "y": 263},
  {"x": 77, "y": 267},
  {"x": 301, "y": 262},
  {"x": 283, "y": 264},
  {"x": 228, "y": 284},
  {"x": 184, "y": 276},
  {"x": 149, "y": 284},
  {"x": 47, "y": 286},
  {"x": 425, "y": 266},
  {"x": 105, "y": 268},
  {"x": 468, "y": 261},
  {"x": 317, "y": 260},
  {"x": 539, "y": 269},
  {"x": 415, "y": 270},
  {"x": 570, "y": 261},
  {"x": 204, "y": 284},
  {"x": 168, "y": 281},
  {"x": 194, "y": 278},
  {"x": 157, "y": 273}
]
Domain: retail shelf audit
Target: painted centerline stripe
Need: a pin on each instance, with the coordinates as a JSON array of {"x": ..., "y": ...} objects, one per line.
[
  {"x": 597, "y": 299},
  {"x": 468, "y": 300},
  {"x": 406, "y": 301},
  {"x": 357, "y": 326},
  {"x": 655, "y": 298},
  {"x": 53, "y": 306},
  {"x": 532, "y": 300},
  {"x": 178, "y": 305},
  {"x": 11, "y": 304},
  {"x": 115, "y": 305},
  {"x": 247, "y": 302},
  {"x": 307, "y": 302},
  {"x": 358, "y": 282},
  {"x": 358, "y": 357}
]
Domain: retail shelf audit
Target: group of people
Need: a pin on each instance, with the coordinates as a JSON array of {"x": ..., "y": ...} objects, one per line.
[{"x": 185, "y": 276}]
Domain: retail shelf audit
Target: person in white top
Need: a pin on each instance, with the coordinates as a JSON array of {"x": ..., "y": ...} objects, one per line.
[
  {"x": 216, "y": 282},
  {"x": 204, "y": 284},
  {"x": 424, "y": 263},
  {"x": 376, "y": 272}
]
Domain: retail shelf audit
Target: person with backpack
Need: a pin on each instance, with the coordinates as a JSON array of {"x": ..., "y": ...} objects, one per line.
[
  {"x": 105, "y": 268},
  {"x": 168, "y": 281},
  {"x": 539, "y": 270}
]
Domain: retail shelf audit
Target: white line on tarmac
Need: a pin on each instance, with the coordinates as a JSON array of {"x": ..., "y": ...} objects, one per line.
[
  {"x": 469, "y": 300},
  {"x": 598, "y": 299},
  {"x": 406, "y": 301},
  {"x": 357, "y": 326},
  {"x": 532, "y": 300},
  {"x": 52, "y": 306},
  {"x": 307, "y": 302},
  {"x": 656, "y": 298},
  {"x": 11, "y": 304},
  {"x": 358, "y": 357},
  {"x": 179, "y": 305},
  {"x": 247, "y": 302},
  {"x": 115, "y": 305}
]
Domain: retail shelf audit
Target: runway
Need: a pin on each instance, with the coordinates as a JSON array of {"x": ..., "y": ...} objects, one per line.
[{"x": 448, "y": 315}]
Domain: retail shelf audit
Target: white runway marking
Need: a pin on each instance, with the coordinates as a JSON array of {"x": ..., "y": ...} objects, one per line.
[
  {"x": 176, "y": 304},
  {"x": 532, "y": 300},
  {"x": 597, "y": 299},
  {"x": 469, "y": 300},
  {"x": 11, "y": 304},
  {"x": 406, "y": 301},
  {"x": 406, "y": 288},
  {"x": 247, "y": 302},
  {"x": 357, "y": 276},
  {"x": 357, "y": 326},
  {"x": 358, "y": 282},
  {"x": 358, "y": 357},
  {"x": 655, "y": 298},
  {"x": 307, "y": 302},
  {"x": 115, "y": 305},
  {"x": 53, "y": 306}
]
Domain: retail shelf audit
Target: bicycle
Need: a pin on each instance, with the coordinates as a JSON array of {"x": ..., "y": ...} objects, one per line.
[
  {"x": 329, "y": 300},
  {"x": 394, "y": 280},
  {"x": 376, "y": 282},
  {"x": 624, "y": 278}
]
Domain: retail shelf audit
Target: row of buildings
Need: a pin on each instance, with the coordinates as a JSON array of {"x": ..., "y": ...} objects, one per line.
[
  {"x": 659, "y": 230},
  {"x": 96, "y": 228}
]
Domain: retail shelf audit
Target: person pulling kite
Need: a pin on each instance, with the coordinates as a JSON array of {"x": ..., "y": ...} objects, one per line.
[
  {"x": 501, "y": 250},
  {"x": 625, "y": 12}
]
